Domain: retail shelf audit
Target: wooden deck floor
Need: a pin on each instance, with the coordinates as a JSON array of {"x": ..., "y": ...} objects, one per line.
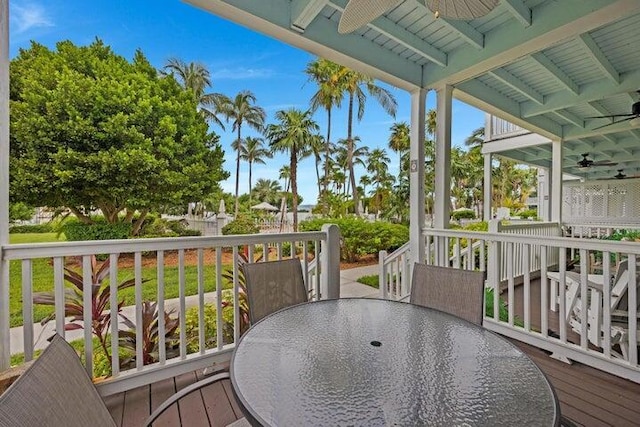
[
  {"x": 214, "y": 405},
  {"x": 588, "y": 397}
]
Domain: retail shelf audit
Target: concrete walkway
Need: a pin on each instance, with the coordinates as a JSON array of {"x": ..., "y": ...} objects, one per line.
[{"x": 348, "y": 288}]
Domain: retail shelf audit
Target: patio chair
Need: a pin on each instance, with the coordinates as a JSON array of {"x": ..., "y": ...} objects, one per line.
[
  {"x": 56, "y": 391},
  {"x": 273, "y": 285},
  {"x": 619, "y": 307},
  {"x": 454, "y": 291}
]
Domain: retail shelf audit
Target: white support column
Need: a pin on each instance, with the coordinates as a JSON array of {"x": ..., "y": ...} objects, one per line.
[
  {"x": 4, "y": 183},
  {"x": 487, "y": 193},
  {"x": 556, "y": 181},
  {"x": 416, "y": 176},
  {"x": 544, "y": 194},
  {"x": 441, "y": 210},
  {"x": 330, "y": 263}
]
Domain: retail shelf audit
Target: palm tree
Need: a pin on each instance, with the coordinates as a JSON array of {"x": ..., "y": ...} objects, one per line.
[
  {"x": 399, "y": 141},
  {"x": 267, "y": 190},
  {"x": 253, "y": 151},
  {"x": 377, "y": 165},
  {"x": 330, "y": 94},
  {"x": 353, "y": 83},
  {"x": 240, "y": 110},
  {"x": 292, "y": 134},
  {"x": 476, "y": 138},
  {"x": 285, "y": 175},
  {"x": 196, "y": 77},
  {"x": 357, "y": 155},
  {"x": 316, "y": 145}
]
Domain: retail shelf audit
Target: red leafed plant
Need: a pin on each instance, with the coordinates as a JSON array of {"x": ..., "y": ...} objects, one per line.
[
  {"x": 150, "y": 337},
  {"x": 73, "y": 300},
  {"x": 243, "y": 302}
]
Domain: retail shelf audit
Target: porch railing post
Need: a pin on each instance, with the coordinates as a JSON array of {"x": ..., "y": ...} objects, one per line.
[
  {"x": 5, "y": 355},
  {"x": 495, "y": 249},
  {"x": 330, "y": 263},
  {"x": 382, "y": 275}
]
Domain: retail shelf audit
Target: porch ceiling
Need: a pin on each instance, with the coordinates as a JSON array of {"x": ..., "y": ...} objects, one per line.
[{"x": 545, "y": 65}]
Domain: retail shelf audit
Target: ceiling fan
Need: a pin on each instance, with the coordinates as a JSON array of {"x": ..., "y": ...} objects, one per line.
[
  {"x": 633, "y": 117},
  {"x": 587, "y": 163},
  {"x": 620, "y": 175},
  {"x": 358, "y": 13}
]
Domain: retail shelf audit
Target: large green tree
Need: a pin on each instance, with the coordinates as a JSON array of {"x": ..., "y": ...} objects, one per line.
[
  {"x": 91, "y": 130},
  {"x": 292, "y": 134}
]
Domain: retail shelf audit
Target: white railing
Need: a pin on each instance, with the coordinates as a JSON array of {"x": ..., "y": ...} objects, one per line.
[
  {"x": 204, "y": 267},
  {"x": 524, "y": 228},
  {"x": 592, "y": 231},
  {"x": 499, "y": 128},
  {"x": 395, "y": 270},
  {"x": 534, "y": 329}
]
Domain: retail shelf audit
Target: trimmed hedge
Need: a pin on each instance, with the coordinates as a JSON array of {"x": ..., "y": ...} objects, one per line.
[
  {"x": 241, "y": 225},
  {"x": 35, "y": 228},
  {"x": 361, "y": 237},
  {"x": 74, "y": 230},
  {"x": 463, "y": 214}
]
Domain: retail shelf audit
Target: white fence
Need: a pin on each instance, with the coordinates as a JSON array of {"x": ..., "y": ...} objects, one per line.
[{"x": 207, "y": 267}]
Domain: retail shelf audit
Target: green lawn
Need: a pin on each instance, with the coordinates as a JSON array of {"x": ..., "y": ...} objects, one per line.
[
  {"x": 42, "y": 273},
  {"x": 35, "y": 238}
]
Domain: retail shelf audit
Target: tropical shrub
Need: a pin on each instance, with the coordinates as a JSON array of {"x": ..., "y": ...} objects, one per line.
[
  {"x": 241, "y": 225},
  {"x": 528, "y": 213},
  {"x": 100, "y": 295},
  {"x": 151, "y": 339},
  {"x": 192, "y": 325},
  {"x": 361, "y": 237}
]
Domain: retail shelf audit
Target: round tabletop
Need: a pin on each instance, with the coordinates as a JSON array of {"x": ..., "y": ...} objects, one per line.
[{"x": 367, "y": 362}]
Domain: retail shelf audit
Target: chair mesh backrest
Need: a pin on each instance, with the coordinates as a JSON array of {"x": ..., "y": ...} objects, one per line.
[
  {"x": 273, "y": 285},
  {"x": 55, "y": 391},
  {"x": 454, "y": 291}
]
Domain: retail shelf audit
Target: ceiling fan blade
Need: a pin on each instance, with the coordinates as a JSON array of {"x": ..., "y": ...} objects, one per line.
[
  {"x": 604, "y": 163},
  {"x": 610, "y": 116},
  {"x": 613, "y": 123},
  {"x": 358, "y": 13}
]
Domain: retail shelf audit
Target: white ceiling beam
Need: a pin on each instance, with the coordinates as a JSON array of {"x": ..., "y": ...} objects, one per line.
[
  {"x": 469, "y": 34},
  {"x": 596, "y": 105},
  {"x": 515, "y": 83},
  {"x": 303, "y": 12},
  {"x": 389, "y": 29},
  {"x": 570, "y": 117},
  {"x": 508, "y": 42},
  {"x": 594, "y": 51},
  {"x": 519, "y": 10},
  {"x": 562, "y": 77},
  {"x": 514, "y": 143},
  {"x": 588, "y": 92}
]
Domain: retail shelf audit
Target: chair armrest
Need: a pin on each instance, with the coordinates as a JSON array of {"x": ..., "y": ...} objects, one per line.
[{"x": 182, "y": 393}]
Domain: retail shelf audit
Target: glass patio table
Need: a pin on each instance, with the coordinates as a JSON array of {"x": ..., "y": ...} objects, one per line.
[{"x": 367, "y": 362}]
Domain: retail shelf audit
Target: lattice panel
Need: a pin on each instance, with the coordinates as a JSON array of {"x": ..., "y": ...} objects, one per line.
[{"x": 602, "y": 202}]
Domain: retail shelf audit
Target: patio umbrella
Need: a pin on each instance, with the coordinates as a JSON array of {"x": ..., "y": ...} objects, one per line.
[{"x": 264, "y": 206}]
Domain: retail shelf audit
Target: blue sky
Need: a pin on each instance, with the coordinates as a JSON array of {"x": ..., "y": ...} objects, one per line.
[{"x": 238, "y": 59}]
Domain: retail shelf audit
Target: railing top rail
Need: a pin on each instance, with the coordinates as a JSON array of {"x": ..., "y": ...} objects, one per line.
[
  {"x": 397, "y": 253},
  {"x": 526, "y": 224},
  {"x": 600, "y": 224},
  {"x": 55, "y": 249},
  {"x": 551, "y": 241}
]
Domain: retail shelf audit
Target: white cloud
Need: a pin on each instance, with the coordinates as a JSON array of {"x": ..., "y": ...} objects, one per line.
[
  {"x": 28, "y": 16},
  {"x": 242, "y": 73}
]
